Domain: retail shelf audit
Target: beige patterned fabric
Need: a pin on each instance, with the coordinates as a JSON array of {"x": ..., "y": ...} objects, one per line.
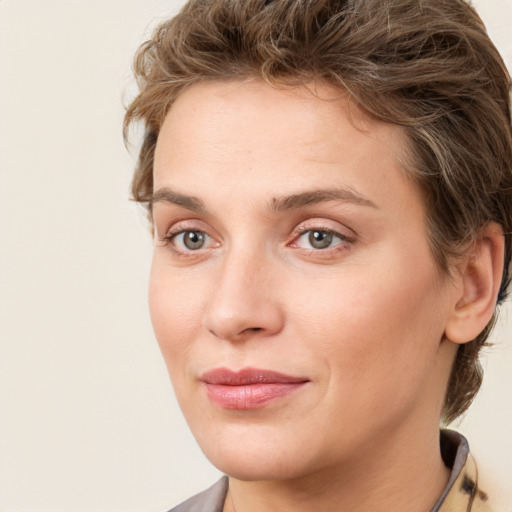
[
  {"x": 465, "y": 495},
  {"x": 463, "y": 492}
]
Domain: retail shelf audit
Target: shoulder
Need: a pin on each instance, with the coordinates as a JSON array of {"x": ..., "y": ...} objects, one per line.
[{"x": 211, "y": 500}]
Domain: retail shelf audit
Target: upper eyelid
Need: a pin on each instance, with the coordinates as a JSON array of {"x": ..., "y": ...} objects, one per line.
[
  {"x": 171, "y": 234},
  {"x": 323, "y": 229},
  {"x": 319, "y": 223},
  {"x": 342, "y": 238},
  {"x": 176, "y": 226},
  {"x": 172, "y": 231},
  {"x": 324, "y": 225}
]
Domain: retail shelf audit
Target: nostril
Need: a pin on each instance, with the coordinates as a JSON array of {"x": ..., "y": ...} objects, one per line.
[{"x": 254, "y": 329}]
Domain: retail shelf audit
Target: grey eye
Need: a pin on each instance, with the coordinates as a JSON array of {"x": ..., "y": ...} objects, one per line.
[
  {"x": 193, "y": 240},
  {"x": 320, "y": 239}
]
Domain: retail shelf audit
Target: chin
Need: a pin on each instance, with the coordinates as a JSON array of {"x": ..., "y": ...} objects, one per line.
[
  {"x": 257, "y": 454},
  {"x": 255, "y": 467}
]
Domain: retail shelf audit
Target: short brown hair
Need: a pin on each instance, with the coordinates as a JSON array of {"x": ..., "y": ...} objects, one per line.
[{"x": 426, "y": 65}]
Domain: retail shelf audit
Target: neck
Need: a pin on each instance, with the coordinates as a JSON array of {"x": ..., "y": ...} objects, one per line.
[{"x": 400, "y": 474}]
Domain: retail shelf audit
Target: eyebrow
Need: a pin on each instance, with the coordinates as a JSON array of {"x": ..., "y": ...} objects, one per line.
[
  {"x": 166, "y": 195},
  {"x": 277, "y": 204},
  {"x": 295, "y": 201}
]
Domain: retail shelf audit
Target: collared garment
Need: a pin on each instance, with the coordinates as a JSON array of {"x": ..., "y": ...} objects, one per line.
[{"x": 461, "y": 494}]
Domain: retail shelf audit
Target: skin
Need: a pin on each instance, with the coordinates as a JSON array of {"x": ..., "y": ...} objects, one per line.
[{"x": 363, "y": 319}]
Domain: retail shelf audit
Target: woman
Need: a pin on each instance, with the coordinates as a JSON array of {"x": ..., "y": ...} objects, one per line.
[{"x": 330, "y": 186}]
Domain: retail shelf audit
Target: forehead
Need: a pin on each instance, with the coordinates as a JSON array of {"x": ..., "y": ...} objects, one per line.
[
  {"x": 311, "y": 112},
  {"x": 231, "y": 135}
]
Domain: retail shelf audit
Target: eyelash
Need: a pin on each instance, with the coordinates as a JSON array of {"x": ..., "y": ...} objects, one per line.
[
  {"x": 330, "y": 250},
  {"x": 344, "y": 240}
]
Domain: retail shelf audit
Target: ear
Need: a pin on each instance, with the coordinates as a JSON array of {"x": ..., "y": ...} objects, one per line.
[{"x": 479, "y": 281}]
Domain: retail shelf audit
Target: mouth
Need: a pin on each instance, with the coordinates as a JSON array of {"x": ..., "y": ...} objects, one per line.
[{"x": 250, "y": 388}]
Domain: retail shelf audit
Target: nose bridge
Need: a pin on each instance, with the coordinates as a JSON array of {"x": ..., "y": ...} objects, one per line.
[{"x": 241, "y": 301}]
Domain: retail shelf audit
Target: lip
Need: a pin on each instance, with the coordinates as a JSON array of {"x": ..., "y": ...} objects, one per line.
[{"x": 250, "y": 388}]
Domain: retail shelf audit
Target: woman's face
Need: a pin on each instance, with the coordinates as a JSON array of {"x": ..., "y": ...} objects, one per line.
[{"x": 293, "y": 292}]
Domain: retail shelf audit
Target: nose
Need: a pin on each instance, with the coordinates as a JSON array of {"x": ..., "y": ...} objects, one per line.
[{"x": 244, "y": 300}]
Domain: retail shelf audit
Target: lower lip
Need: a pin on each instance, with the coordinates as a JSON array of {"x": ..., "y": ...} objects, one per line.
[{"x": 250, "y": 396}]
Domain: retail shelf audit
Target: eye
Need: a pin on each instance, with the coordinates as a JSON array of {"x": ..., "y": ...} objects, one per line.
[
  {"x": 190, "y": 240},
  {"x": 319, "y": 239}
]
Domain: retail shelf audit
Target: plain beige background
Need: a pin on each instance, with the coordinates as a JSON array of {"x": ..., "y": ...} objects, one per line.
[{"x": 88, "y": 421}]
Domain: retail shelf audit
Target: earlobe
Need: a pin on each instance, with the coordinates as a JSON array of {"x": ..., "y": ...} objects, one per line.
[{"x": 480, "y": 280}]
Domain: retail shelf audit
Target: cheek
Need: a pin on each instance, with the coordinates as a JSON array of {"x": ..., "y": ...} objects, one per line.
[
  {"x": 175, "y": 310},
  {"x": 375, "y": 334}
]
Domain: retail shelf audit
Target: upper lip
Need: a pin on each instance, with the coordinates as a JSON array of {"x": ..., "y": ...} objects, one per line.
[{"x": 247, "y": 376}]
